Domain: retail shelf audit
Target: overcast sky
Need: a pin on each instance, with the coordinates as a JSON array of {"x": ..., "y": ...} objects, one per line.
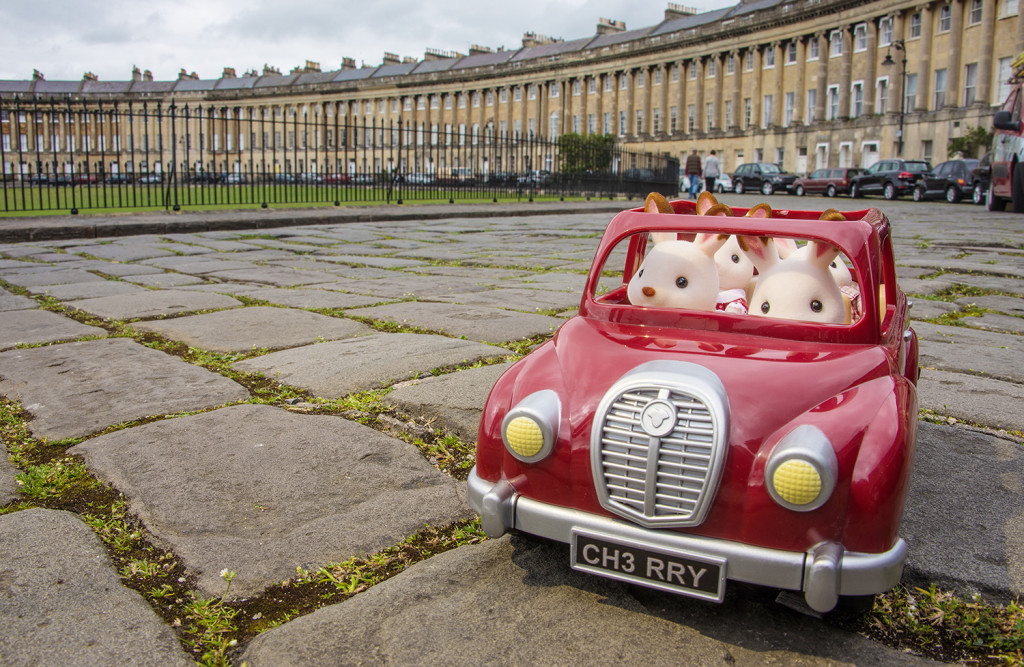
[{"x": 63, "y": 39}]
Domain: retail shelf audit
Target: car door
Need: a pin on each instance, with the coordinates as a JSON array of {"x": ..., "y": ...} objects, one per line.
[
  {"x": 934, "y": 181},
  {"x": 816, "y": 181},
  {"x": 871, "y": 181}
]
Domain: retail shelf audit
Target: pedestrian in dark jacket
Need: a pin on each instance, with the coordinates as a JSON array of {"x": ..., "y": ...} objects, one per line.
[{"x": 692, "y": 171}]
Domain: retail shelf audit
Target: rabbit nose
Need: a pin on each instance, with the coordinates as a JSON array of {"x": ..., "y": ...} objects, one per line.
[{"x": 648, "y": 291}]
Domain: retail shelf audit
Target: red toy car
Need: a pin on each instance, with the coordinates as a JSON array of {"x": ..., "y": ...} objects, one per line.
[{"x": 678, "y": 449}]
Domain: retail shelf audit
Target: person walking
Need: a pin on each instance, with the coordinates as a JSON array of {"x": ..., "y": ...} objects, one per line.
[
  {"x": 692, "y": 172},
  {"x": 711, "y": 171}
]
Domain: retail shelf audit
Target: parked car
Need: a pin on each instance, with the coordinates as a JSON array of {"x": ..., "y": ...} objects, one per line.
[
  {"x": 950, "y": 180},
  {"x": 889, "y": 178},
  {"x": 763, "y": 176},
  {"x": 337, "y": 179},
  {"x": 236, "y": 178},
  {"x": 204, "y": 178},
  {"x": 535, "y": 178},
  {"x": 1007, "y": 178},
  {"x": 831, "y": 182},
  {"x": 981, "y": 178},
  {"x": 118, "y": 179},
  {"x": 723, "y": 183},
  {"x": 152, "y": 177},
  {"x": 419, "y": 179},
  {"x": 681, "y": 449}
]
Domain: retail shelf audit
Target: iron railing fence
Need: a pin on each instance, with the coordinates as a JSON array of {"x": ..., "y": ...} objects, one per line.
[{"x": 70, "y": 155}]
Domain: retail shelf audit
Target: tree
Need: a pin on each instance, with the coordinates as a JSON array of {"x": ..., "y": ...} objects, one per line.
[
  {"x": 579, "y": 153},
  {"x": 973, "y": 143}
]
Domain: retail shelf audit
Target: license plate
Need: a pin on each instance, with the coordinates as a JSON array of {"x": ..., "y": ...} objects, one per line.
[{"x": 680, "y": 572}]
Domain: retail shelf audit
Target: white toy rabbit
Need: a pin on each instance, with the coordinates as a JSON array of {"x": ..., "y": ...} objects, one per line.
[
  {"x": 677, "y": 274},
  {"x": 800, "y": 287}
]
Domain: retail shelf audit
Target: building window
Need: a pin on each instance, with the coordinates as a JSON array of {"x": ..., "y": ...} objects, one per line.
[
  {"x": 656, "y": 121},
  {"x": 860, "y": 37},
  {"x": 884, "y": 31},
  {"x": 622, "y": 123},
  {"x": 503, "y": 95},
  {"x": 640, "y": 79},
  {"x": 709, "y": 116},
  {"x": 490, "y": 98},
  {"x": 672, "y": 119},
  {"x": 926, "y": 149},
  {"x": 939, "y": 99},
  {"x": 728, "y": 114},
  {"x": 577, "y": 89},
  {"x": 624, "y": 82},
  {"x": 787, "y": 110},
  {"x": 575, "y": 124},
  {"x": 531, "y": 127},
  {"x": 974, "y": 13},
  {"x": 813, "y": 49},
  {"x": 791, "y": 53},
  {"x": 835, "y": 40},
  {"x": 970, "y": 83},
  {"x": 769, "y": 57},
  {"x": 712, "y": 65},
  {"x": 1005, "y": 70},
  {"x": 691, "y": 118},
  {"x": 766, "y": 111},
  {"x": 607, "y": 124},
  {"x": 693, "y": 69},
  {"x": 748, "y": 112},
  {"x": 407, "y": 106},
  {"x": 1007, "y": 8},
  {"x": 882, "y": 95},
  {"x": 591, "y": 123},
  {"x": 748, "y": 63},
  {"x": 608, "y": 83},
  {"x": 730, "y": 64},
  {"x": 553, "y": 125},
  {"x": 592, "y": 86},
  {"x": 910, "y": 93},
  {"x": 532, "y": 92},
  {"x": 517, "y": 94},
  {"x": 675, "y": 73},
  {"x": 639, "y": 122},
  {"x": 857, "y": 99},
  {"x": 554, "y": 89},
  {"x": 915, "y": 25},
  {"x": 657, "y": 76},
  {"x": 832, "y": 103},
  {"x": 421, "y": 102},
  {"x": 945, "y": 18}
]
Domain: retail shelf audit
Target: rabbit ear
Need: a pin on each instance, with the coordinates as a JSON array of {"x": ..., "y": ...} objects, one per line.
[
  {"x": 656, "y": 203},
  {"x": 710, "y": 243},
  {"x": 761, "y": 251},
  {"x": 662, "y": 237},
  {"x": 821, "y": 254},
  {"x": 705, "y": 201},
  {"x": 785, "y": 247},
  {"x": 760, "y": 211},
  {"x": 720, "y": 210},
  {"x": 831, "y": 214}
]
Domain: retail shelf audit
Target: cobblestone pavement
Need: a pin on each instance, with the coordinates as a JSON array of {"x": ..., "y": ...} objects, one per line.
[{"x": 338, "y": 302}]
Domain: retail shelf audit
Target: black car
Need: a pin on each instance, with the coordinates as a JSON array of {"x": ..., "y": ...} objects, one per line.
[
  {"x": 763, "y": 176},
  {"x": 889, "y": 178},
  {"x": 950, "y": 180},
  {"x": 981, "y": 177}
]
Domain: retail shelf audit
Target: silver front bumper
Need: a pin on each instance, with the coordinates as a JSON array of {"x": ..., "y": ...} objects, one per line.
[{"x": 823, "y": 573}]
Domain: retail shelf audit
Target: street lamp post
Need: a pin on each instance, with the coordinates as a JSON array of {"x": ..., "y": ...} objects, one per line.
[{"x": 900, "y": 46}]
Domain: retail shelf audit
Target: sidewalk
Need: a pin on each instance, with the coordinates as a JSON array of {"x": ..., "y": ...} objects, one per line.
[{"x": 261, "y": 489}]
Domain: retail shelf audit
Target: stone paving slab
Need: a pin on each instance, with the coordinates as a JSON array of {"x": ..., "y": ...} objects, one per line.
[
  {"x": 75, "y": 389},
  {"x": 41, "y": 326},
  {"x": 971, "y": 398},
  {"x": 163, "y": 280},
  {"x": 10, "y": 301},
  {"x": 999, "y": 322},
  {"x": 399, "y": 285},
  {"x": 515, "y": 601},
  {"x": 260, "y": 490},
  {"x": 153, "y": 303},
  {"x": 337, "y": 368},
  {"x": 972, "y": 541},
  {"x": 50, "y": 276},
  {"x": 525, "y": 300},
  {"x": 1010, "y": 305},
  {"x": 123, "y": 251},
  {"x": 8, "y": 478},
  {"x": 63, "y": 603},
  {"x": 202, "y": 266},
  {"x": 88, "y": 290},
  {"x": 926, "y": 309},
  {"x": 480, "y": 323},
  {"x": 303, "y": 297},
  {"x": 967, "y": 350},
  {"x": 279, "y": 277},
  {"x": 246, "y": 329},
  {"x": 116, "y": 269},
  {"x": 453, "y": 401}
]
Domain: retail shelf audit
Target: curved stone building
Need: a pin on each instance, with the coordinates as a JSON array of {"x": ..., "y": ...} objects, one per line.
[{"x": 803, "y": 83}]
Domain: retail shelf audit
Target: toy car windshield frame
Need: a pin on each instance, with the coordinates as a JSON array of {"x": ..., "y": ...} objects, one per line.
[{"x": 864, "y": 238}]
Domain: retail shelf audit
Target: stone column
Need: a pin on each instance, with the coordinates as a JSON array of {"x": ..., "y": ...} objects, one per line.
[
  {"x": 718, "y": 122},
  {"x": 698, "y": 96},
  {"x": 846, "y": 71},
  {"x": 737, "y": 88},
  {"x": 987, "y": 60},
  {"x": 800, "y": 103},
  {"x": 896, "y": 72},
  {"x": 956, "y": 38},
  {"x": 648, "y": 126},
  {"x": 757, "y": 97},
  {"x": 614, "y": 111},
  {"x": 599, "y": 102},
  {"x": 681, "y": 118},
  {"x": 924, "y": 61},
  {"x": 777, "y": 88},
  {"x": 822, "y": 88},
  {"x": 870, "y": 69},
  {"x": 666, "y": 76}
]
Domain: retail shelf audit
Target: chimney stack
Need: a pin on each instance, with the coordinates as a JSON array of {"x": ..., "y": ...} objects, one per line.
[
  {"x": 37, "y": 75},
  {"x": 229, "y": 73},
  {"x": 676, "y": 11},
  {"x": 608, "y": 26},
  {"x": 391, "y": 59},
  {"x": 348, "y": 63},
  {"x": 270, "y": 71},
  {"x": 136, "y": 73},
  {"x": 148, "y": 75}
]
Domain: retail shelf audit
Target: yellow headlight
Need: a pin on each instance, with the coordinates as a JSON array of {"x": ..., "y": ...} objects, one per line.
[
  {"x": 524, "y": 436},
  {"x": 797, "y": 482}
]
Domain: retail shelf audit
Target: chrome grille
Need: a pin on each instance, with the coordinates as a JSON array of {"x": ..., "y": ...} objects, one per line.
[{"x": 657, "y": 480}]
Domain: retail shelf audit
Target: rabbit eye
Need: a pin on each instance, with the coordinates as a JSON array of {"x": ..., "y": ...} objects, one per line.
[
  {"x": 682, "y": 282},
  {"x": 833, "y": 265},
  {"x": 765, "y": 307},
  {"x": 640, "y": 273},
  {"x": 816, "y": 306},
  {"x": 735, "y": 259}
]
